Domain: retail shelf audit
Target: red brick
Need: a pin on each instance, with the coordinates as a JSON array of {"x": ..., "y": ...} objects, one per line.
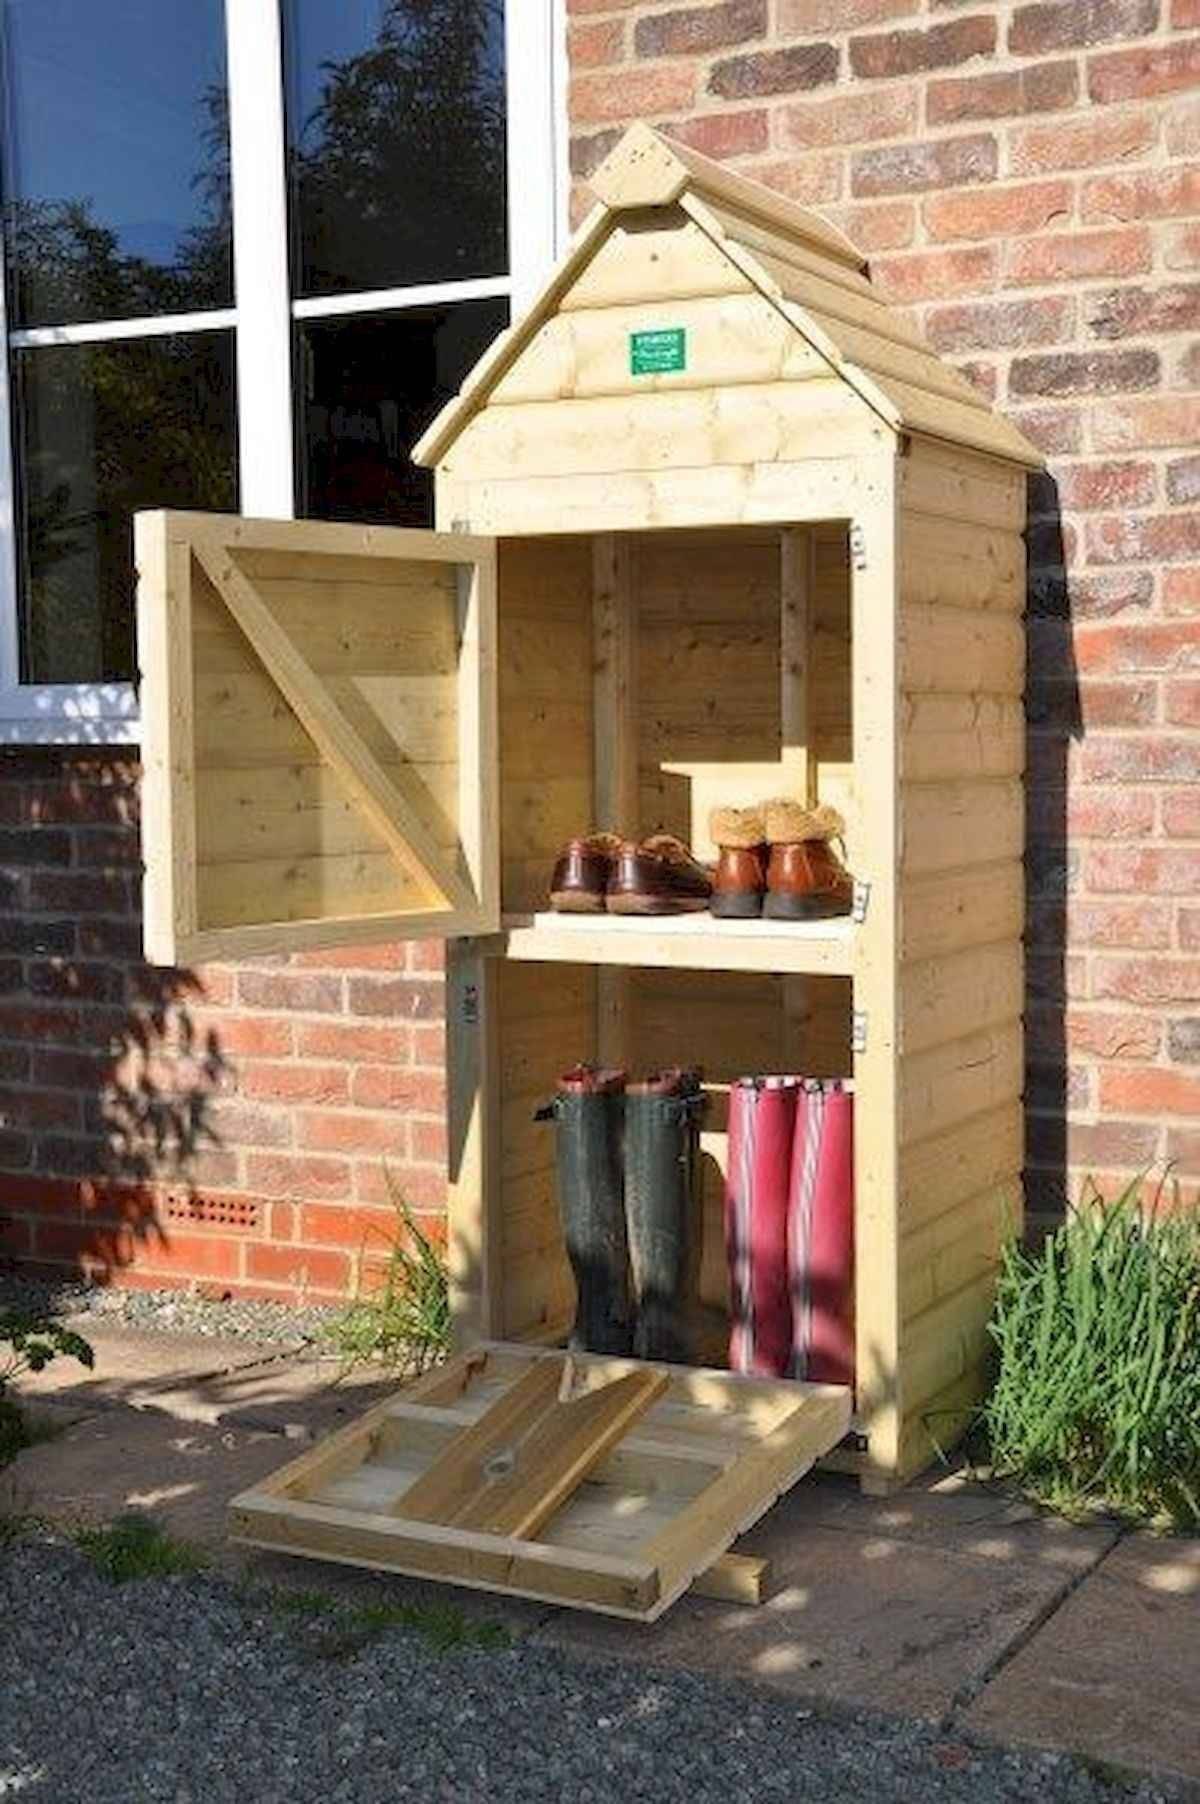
[
  {"x": 1181, "y": 130},
  {"x": 628, "y": 93},
  {"x": 1183, "y": 481},
  {"x": 428, "y": 1044},
  {"x": 392, "y": 1087},
  {"x": 888, "y": 225},
  {"x": 1131, "y": 1144},
  {"x": 856, "y": 118},
  {"x": 811, "y": 180},
  {"x": 354, "y": 1040},
  {"x": 347, "y": 1226},
  {"x": 39, "y": 1108},
  {"x": 297, "y": 1175},
  {"x": 713, "y": 135},
  {"x": 1189, "y": 929},
  {"x": 428, "y": 1142},
  {"x": 891, "y": 53},
  {"x": 392, "y": 955},
  {"x": 1143, "y": 194},
  {"x": 57, "y": 1025},
  {"x": 1151, "y": 1091},
  {"x": 1182, "y": 701},
  {"x": 1181, "y": 814},
  {"x": 936, "y": 275},
  {"x": 301, "y": 1268},
  {"x": 1107, "y": 814},
  {"x": 998, "y": 212},
  {"x": 1185, "y": 15},
  {"x": 788, "y": 71},
  {"x": 940, "y": 163},
  {"x": 191, "y": 1255},
  {"x": 1183, "y": 1151},
  {"x": 1055, "y": 430},
  {"x": 1147, "y": 646},
  {"x": 1074, "y": 256},
  {"x": 405, "y": 998},
  {"x": 1038, "y": 88},
  {"x": 585, "y": 155},
  {"x": 696, "y": 29},
  {"x": 1144, "y": 870},
  {"x": 1181, "y": 591},
  {"x": 309, "y": 994},
  {"x": 317, "y": 1131},
  {"x": 1076, "y": 24},
  {"x": 295, "y": 1082},
  {"x": 576, "y": 7},
  {"x": 1087, "y": 488},
  {"x": 1164, "y": 421},
  {"x": 247, "y": 1036},
  {"x": 1141, "y": 759},
  {"x": 1143, "y": 538},
  {"x": 1145, "y": 925},
  {"x": 798, "y": 18},
  {"x": 1055, "y": 373},
  {"x": 594, "y": 42},
  {"x": 1110, "y": 1036},
  {"x": 248, "y": 1124},
  {"x": 282, "y": 1219},
  {"x": 1117, "y": 704},
  {"x": 1122, "y": 312},
  {"x": 422, "y": 1188},
  {"x": 981, "y": 376},
  {"x": 1144, "y": 73},
  {"x": 1147, "y": 979}
]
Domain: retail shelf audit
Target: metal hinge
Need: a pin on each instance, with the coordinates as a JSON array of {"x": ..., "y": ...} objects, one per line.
[
  {"x": 862, "y": 896},
  {"x": 858, "y": 547},
  {"x": 858, "y": 1030}
]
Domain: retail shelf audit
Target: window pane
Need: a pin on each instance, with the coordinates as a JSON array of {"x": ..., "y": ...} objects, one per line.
[
  {"x": 116, "y": 158},
  {"x": 102, "y": 430},
  {"x": 396, "y": 142},
  {"x": 369, "y": 388}
]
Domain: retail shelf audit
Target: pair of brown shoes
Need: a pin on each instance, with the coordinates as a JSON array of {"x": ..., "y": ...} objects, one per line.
[
  {"x": 602, "y": 872},
  {"x": 776, "y": 859}
]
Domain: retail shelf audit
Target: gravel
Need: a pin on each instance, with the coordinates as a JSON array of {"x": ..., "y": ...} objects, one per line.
[
  {"x": 187, "y": 1690},
  {"x": 172, "y": 1311}
]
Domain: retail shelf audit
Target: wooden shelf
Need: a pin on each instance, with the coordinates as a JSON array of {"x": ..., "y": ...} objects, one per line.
[{"x": 695, "y": 942}]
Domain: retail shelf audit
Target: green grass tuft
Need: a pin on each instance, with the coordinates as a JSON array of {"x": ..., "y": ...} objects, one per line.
[
  {"x": 403, "y": 1321},
  {"x": 1097, "y": 1397},
  {"x": 134, "y": 1546}
]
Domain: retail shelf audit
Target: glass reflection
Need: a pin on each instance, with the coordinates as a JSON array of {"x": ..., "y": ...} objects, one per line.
[
  {"x": 396, "y": 113},
  {"x": 116, "y": 158}
]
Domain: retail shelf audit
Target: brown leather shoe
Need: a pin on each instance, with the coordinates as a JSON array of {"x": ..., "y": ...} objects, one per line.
[
  {"x": 657, "y": 876},
  {"x": 740, "y": 879},
  {"x": 582, "y": 873},
  {"x": 806, "y": 880}
]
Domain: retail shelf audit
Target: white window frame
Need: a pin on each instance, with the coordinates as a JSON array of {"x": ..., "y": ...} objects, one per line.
[{"x": 263, "y": 314}]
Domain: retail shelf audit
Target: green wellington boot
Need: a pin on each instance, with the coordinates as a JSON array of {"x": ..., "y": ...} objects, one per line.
[
  {"x": 588, "y": 1111},
  {"x": 662, "y": 1209}
]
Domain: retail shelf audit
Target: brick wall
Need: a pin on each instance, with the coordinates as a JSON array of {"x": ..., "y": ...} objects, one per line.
[
  {"x": 1026, "y": 180},
  {"x": 232, "y": 1127}
]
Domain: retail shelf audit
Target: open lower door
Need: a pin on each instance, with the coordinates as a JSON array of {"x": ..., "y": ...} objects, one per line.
[
  {"x": 318, "y": 717},
  {"x": 605, "y": 1484}
]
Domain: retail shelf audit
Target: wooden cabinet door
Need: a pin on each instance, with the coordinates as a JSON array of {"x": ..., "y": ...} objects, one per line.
[{"x": 318, "y": 734}]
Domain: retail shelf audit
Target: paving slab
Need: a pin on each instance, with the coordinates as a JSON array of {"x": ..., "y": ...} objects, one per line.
[
  {"x": 1115, "y": 1674},
  {"x": 898, "y": 1618},
  {"x": 131, "y": 1361}
]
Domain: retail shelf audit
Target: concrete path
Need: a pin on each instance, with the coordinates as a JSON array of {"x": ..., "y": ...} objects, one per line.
[{"x": 948, "y": 1602}]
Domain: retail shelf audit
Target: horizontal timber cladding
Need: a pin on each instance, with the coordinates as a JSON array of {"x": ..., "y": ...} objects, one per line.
[{"x": 962, "y": 586}]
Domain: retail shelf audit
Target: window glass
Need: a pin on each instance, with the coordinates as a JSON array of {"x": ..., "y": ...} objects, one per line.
[
  {"x": 369, "y": 387},
  {"x": 116, "y": 158},
  {"x": 396, "y": 142},
  {"x": 106, "y": 429}
]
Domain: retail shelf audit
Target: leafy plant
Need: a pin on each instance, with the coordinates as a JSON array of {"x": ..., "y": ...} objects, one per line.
[
  {"x": 402, "y": 1320},
  {"x": 1097, "y": 1398},
  {"x": 133, "y": 1546},
  {"x": 32, "y": 1340}
]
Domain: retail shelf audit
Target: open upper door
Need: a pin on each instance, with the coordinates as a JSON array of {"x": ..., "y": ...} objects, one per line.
[{"x": 318, "y": 720}]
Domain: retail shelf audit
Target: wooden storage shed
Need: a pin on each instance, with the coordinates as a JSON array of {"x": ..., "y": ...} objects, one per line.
[{"x": 714, "y": 525}]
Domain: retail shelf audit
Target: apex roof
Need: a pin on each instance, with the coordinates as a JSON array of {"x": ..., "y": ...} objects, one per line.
[{"x": 801, "y": 264}]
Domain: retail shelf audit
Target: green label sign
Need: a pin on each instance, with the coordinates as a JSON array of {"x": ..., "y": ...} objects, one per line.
[{"x": 658, "y": 353}]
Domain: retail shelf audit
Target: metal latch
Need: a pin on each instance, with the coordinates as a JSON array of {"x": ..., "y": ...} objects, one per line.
[
  {"x": 858, "y": 547},
  {"x": 858, "y": 1030},
  {"x": 858, "y": 908}
]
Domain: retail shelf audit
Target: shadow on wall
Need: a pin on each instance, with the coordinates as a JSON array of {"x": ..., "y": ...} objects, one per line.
[
  {"x": 1054, "y": 720},
  {"x": 109, "y": 1073}
]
